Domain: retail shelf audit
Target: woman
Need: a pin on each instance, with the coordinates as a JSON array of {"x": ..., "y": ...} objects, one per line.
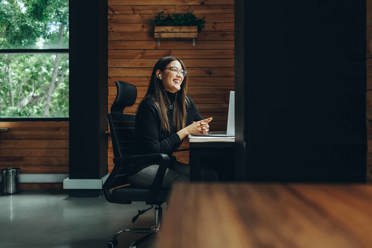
[{"x": 165, "y": 117}]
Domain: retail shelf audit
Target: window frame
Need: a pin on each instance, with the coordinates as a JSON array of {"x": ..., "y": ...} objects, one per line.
[{"x": 39, "y": 51}]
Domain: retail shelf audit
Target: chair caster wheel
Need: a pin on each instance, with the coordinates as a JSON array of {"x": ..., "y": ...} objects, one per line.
[{"x": 112, "y": 243}]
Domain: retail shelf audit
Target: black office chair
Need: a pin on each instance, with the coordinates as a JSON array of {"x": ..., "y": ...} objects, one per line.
[{"x": 119, "y": 186}]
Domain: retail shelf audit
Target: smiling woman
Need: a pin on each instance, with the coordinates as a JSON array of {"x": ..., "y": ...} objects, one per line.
[{"x": 166, "y": 116}]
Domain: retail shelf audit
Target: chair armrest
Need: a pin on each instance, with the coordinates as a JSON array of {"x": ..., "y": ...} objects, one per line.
[
  {"x": 143, "y": 160},
  {"x": 138, "y": 162}
]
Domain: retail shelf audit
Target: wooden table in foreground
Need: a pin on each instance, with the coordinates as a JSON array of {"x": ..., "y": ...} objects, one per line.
[{"x": 267, "y": 215}]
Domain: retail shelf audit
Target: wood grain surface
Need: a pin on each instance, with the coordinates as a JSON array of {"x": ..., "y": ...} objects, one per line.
[
  {"x": 267, "y": 215},
  {"x": 35, "y": 146}
]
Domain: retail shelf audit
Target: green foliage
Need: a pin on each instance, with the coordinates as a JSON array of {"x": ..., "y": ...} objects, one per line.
[
  {"x": 24, "y": 23},
  {"x": 179, "y": 19},
  {"x": 25, "y": 80},
  {"x": 34, "y": 84}
]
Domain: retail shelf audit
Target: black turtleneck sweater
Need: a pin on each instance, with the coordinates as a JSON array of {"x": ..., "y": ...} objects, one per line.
[{"x": 150, "y": 136}]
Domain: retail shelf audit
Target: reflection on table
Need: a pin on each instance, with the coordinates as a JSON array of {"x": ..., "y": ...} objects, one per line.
[{"x": 267, "y": 215}]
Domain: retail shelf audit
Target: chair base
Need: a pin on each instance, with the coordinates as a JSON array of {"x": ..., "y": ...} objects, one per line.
[
  {"x": 149, "y": 231},
  {"x": 141, "y": 240}
]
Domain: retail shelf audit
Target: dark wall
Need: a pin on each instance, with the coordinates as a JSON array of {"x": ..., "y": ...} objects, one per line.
[
  {"x": 88, "y": 88},
  {"x": 301, "y": 75}
]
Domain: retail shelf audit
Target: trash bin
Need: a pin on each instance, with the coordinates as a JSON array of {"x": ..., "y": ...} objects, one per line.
[{"x": 9, "y": 181}]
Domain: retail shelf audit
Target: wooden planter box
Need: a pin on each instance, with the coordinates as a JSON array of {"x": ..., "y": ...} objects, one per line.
[{"x": 176, "y": 32}]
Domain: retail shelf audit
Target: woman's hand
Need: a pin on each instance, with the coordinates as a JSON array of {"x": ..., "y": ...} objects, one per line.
[{"x": 197, "y": 127}]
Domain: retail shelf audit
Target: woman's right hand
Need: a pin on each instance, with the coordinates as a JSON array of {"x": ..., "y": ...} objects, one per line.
[{"x": 197, "y": 127}]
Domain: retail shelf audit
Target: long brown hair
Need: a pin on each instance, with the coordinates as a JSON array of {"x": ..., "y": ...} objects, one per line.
[{"x": 158, "y": 93}]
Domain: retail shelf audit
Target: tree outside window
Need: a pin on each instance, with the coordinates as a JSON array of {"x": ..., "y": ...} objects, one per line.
[{"x": 34, "y": 60}]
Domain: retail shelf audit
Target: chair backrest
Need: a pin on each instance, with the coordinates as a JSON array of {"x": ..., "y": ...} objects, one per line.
[
  {"x": 126, "y": 95},
  {"x": 122, "y": 125},
  {"x": 117, "y": 187}
]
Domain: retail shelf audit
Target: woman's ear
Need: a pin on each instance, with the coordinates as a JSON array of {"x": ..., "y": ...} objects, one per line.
[{"x": 158, "y": 74}]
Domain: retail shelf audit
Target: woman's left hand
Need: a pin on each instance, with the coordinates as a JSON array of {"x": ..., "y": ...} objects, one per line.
[
  {"x": 197, "y": 127},
  {"x": 204, "y": 125}
]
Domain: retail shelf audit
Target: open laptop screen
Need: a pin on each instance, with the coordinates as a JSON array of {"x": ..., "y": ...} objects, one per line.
[
  {"x": 230, "y": 130},
  {"x": 228, "y": 135},
  {"x": 230, "y": 127}
]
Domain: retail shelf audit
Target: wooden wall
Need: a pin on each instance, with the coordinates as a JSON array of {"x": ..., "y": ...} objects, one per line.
[
  {"x": 133, "y": 51},
  {"x": 35, "y": 147}
]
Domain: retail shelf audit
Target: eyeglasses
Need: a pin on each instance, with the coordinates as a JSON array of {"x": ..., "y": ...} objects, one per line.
[{"x": 176, "y": 70}]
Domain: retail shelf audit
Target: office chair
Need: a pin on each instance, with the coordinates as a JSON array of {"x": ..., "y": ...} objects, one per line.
[{"x": 119, "y": 188}]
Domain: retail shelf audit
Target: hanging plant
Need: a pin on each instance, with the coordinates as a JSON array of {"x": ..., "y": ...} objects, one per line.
[{"x": 179, "y": 19}]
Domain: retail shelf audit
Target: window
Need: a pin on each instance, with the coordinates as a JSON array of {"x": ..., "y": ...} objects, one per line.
[{"x": 34, "y": 59}]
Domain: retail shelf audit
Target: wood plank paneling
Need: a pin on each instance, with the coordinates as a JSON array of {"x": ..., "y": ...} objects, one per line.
[
  {"x": 138, "y": 27},
  {"x": 191, "y": 63},
  {"x": 200, "y": 82},
  {"x": 181, "y": 44},
  {"x": 210, "y": 63},
  {"x": 35, "y": 146},
  {"x": 185, "y": 54},
  {"x": 196, "y": 72},
  {"x": 143, "y": 18},
  {"x": 142, "y": 36},
  {"x": 153, "y": 10}
]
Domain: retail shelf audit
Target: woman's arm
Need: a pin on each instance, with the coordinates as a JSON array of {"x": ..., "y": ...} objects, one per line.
[
  {"x": 148, "y": 131},
  {"x": 195, "y": 123}
]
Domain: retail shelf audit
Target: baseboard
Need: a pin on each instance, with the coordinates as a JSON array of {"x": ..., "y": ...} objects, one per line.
[
  {"x": 83, "y": 183},
  {"x": 41, "y": 177}
]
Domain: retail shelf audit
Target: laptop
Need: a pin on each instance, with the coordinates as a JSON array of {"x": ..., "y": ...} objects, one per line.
[{"x": 230, "y": 128}]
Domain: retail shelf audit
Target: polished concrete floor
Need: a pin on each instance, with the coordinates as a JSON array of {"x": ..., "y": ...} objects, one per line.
[{"x": 60, "y": 221}]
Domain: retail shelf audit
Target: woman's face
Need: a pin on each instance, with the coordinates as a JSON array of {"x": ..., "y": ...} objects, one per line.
[{"x": 172, "y": 76}]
